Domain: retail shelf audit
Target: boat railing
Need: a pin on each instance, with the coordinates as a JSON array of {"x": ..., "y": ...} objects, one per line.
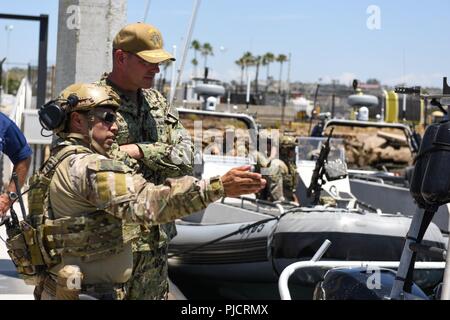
[
  {"x": 315, "y": 263},
  {"x": 367, "y": 178},
  {"x": 259, "y": 203}
]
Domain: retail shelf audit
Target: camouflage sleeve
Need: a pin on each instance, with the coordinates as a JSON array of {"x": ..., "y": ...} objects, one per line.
[
  {"x": 175, "y": 157},
  {"x": 116, "y": 154},
  {"x": 112, "y": 187},
  {"x": 174, "y": 160}
]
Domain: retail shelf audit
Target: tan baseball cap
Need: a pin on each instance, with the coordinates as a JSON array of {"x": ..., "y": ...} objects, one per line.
[{"x": 144, "y": 40}]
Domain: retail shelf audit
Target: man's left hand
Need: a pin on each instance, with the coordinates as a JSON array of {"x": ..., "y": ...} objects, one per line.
[
  {"x": 133, "y": 151},
  {"x": 5, "y": 203}
]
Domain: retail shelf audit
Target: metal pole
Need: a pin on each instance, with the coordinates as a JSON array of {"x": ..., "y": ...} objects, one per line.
[
  {"x": 42, "y": 72},
  {"x": 147, "y": 7},
  {"x": 8, "y": 29},
  {"x": 323, "y": 248},
  {"x": 187, "y": 42},
  {"x": 288, "y": 89},
  {"x": 173, "y": 84},
  {"x": 247, "y": 98}
]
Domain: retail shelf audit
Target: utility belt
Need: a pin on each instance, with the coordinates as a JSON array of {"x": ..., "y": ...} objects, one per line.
[
  {"x": 35, "y": 250},
  {"x": 105, "y": 291}
]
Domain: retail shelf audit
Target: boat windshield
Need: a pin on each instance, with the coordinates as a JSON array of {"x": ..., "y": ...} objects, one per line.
[
  {"x": 308, "y": 149},
  {"x": 220, "y": 135},
  {"x": 374, "y": 148}
]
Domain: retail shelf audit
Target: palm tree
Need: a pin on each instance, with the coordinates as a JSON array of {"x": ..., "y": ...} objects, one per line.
[
  {"x": 241, "y": 64},
  {"x": 267, "y": 59},
  {"x": 257, "y": 62},
  {"x": 206, "y": 50},
  {"x": 247, "y": 58},
  {"x": 281, "y": 59},
  {"x": 196, "y": 46}
]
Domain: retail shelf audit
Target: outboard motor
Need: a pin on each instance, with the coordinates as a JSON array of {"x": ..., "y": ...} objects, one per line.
[
  {"x": 359, "y": 284},
  {"x": 431, "y": 189}
]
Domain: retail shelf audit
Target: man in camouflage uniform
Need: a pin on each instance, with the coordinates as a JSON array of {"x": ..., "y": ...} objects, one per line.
[
  {"x": 272, "y": 168},
  {"x": 88, "y": 195},
  {"x": 151, "y": 140},
  {"x": 280, "y": 173},
  {"x": 288, "y": 158}
]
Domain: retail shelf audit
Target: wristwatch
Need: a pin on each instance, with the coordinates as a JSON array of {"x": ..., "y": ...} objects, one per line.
[{"x": 12, "y": 195}]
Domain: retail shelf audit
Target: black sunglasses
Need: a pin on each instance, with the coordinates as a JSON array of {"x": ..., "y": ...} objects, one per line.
[{"x": 106, "y": 116}]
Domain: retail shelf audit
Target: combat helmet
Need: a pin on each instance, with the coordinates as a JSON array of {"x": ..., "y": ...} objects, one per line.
[
  {"x": 287, "y": 149},
  {"x": 89, "y": 96},
  {"x": 76, "y": 97},
  {"x": 287, "y": 142}
]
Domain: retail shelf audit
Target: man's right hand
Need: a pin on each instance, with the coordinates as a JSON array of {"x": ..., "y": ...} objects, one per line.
[{"x": 240, "y": 181}]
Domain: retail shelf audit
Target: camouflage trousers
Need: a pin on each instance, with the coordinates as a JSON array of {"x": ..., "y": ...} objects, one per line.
[{"x": 149, "y": 280}]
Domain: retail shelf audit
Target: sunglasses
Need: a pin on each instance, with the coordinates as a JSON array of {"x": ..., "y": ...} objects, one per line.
[{"x": 107, "y": 117}]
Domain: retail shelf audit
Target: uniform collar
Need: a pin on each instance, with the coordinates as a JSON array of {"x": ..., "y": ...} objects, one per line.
[{"x": 126, "y": 104}]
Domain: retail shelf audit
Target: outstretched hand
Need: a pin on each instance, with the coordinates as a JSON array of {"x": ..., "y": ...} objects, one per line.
[{"x": 240, "y": 181}]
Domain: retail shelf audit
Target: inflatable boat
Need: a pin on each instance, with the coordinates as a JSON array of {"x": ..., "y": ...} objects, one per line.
[{"x": 236, "y": 248}]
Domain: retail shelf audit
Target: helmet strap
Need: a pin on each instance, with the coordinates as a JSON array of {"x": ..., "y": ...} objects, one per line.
[{"x": 94, "y": 145}]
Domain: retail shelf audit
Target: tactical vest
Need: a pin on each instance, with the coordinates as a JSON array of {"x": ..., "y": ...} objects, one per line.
[{"x": 42, "y": 239}]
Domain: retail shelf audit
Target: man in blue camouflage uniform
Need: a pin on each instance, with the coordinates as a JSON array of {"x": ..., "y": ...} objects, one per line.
[{"x": 150, "y": 140}]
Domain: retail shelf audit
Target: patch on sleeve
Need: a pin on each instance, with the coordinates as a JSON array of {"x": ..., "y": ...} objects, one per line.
[{"x": 102, "y": 165}]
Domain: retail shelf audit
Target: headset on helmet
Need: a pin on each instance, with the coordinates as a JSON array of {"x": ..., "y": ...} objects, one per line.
[
  {"x": 76, "y": 97},
  {"x": 53, "y": 114}
]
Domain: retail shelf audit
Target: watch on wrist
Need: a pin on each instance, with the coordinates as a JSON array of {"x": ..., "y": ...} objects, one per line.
[{"x": 12, "y": 195}]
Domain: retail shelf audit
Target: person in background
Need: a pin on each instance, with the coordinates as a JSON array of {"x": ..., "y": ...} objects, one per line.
[{"x": 14, "y": 144}]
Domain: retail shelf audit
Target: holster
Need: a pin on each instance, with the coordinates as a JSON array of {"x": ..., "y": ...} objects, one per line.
[
  {"x": 25, "y": 253},
  {"x": 68, "y": 283}
]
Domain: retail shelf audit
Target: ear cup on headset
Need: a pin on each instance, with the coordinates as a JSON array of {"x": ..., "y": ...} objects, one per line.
[{"x": 51, "y": 116}]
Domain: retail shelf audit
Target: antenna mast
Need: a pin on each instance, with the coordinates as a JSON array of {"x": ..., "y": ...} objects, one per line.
[{"x": 187, "y": 42}]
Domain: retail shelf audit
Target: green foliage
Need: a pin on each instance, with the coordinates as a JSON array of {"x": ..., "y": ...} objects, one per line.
[{"x": 14, "y": 76}]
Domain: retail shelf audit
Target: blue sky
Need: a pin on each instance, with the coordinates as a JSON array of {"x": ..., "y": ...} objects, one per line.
[{"x": 327, "y": 39}]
